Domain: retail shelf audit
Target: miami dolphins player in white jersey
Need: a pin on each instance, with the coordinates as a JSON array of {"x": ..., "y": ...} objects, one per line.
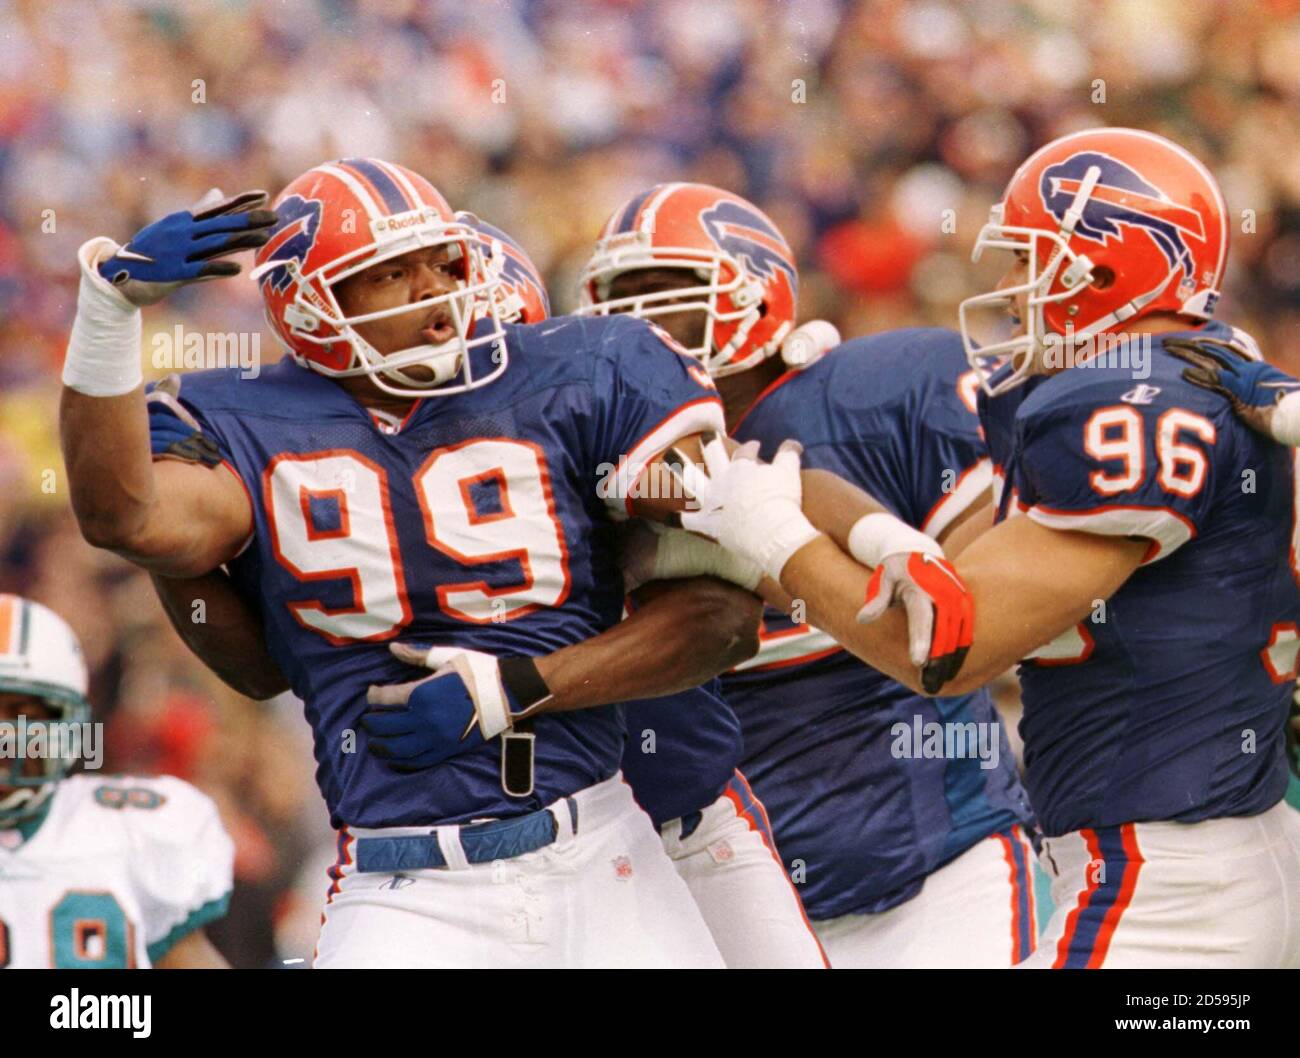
[{"x": 96, "y": 872}]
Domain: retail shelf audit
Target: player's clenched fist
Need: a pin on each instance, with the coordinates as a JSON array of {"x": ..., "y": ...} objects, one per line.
[
  {"x": 185, "y": 247},
  {"x": 750, "y": 507},
  {"x": 470, "y": 698},
  {"x": 940, "y": 610}
]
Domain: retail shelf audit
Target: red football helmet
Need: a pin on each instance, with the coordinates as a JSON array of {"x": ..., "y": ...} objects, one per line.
[
  {"x": 342, "y": 217},
  {"x": 1116, "y": 224},
  {"x": 521, "y": 296},
  {"x": 748, "y": 280}
]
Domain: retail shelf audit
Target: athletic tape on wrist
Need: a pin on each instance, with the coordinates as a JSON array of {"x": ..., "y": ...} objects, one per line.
[
  {"x": 874, "y": 537},
  {"x": 792, "y": 534},
  {"x": 683, "y": 554},
  {"x": 103, "y": 358}
]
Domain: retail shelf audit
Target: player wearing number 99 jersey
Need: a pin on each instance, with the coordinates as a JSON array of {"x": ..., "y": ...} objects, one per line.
[
  {"x": 476, "y": 523},
  {"x": 416, "y": 467}
]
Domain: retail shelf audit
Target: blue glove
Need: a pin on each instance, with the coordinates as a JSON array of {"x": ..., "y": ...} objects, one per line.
[
  {"x": 184, "y": 246},
  {"x": 437, "y": 721},
  {"x": 1248, "y": 384},
  {"x": 462, "y": 705}
]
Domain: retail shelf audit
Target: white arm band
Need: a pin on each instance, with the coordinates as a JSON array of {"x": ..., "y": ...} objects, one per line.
[
  {"x": 874, "y": 537},
  {"x": 1286, "y": 420},
  {"x": 103, "y": 358},
  {"x": 683, "y": 554}
]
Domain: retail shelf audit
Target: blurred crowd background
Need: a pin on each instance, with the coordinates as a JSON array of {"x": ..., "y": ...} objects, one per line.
[{"x": 854, "y": 124}]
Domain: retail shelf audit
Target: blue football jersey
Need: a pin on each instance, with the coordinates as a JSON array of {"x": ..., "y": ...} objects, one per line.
[
  {"x": 862, "y": 805},
  {"x": 1168, "y": 702},
  {"x": 484, "y": 522},
  {"x": 682, "y": 750}
]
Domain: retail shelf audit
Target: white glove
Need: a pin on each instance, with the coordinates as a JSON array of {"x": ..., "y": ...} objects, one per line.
[
  {"x": 750, "y": 507},
  {"x": 494, "y": 707}
]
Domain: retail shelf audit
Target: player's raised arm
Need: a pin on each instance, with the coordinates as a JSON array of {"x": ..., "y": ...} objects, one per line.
[{"x": 174, "y": 517}]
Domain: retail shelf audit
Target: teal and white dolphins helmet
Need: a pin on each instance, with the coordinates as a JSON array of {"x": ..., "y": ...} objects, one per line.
[{"x": 41, "y": 658}]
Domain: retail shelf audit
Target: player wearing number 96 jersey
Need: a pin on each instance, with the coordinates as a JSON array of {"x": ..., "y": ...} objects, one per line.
[
  {"x": 1153, "y": 728},
  {"x": 1139, "y": 568},
  {"x": 96, "y": 871}
]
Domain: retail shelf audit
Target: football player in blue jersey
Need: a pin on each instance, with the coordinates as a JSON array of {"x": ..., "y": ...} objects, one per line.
[
  {"x": 903, "y": 857},
  {"x": 1268, "y": 401},
  {"x": 681, "y": 755},
  {"x": 1142, "y": 569},
  {"x": 393, "y": 477}
]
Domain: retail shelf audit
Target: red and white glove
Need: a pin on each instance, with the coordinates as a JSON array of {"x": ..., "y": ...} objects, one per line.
[{"x": 910, "y": 569}]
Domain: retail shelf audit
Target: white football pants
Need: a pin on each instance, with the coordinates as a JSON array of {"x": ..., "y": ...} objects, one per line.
[
  {"x": 732, "y": 869},
  {"x": 605, "y": 896},
  {"x": 975, "y": 911}
]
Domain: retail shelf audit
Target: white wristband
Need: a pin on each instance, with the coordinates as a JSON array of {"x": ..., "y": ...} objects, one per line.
[
  {"x": 1286, "y": 420},
  {"x": 103, "y": 358},
  {"x": 874, "y": 537},
  {"x": 683, "y": 554}
]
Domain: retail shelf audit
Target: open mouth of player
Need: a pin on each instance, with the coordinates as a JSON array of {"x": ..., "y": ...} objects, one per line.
[{"x": 439, "y": 328}]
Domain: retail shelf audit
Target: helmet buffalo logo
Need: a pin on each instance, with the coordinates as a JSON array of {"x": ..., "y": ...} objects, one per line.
[
  {"x": 1121, "y": 197},
  {"x": 745, "y": 234},
  {"x": 298, "y": 221},
  {"x": 511, "y": 266}
]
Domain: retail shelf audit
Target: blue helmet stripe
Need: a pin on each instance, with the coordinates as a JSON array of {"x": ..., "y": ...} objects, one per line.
[
  {"x": 382, "y": 182},
  {"x": 628, "y": 217}
]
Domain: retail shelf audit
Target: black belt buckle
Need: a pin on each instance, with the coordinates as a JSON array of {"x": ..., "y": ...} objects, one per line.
[{"x": 518, "y": 759}]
